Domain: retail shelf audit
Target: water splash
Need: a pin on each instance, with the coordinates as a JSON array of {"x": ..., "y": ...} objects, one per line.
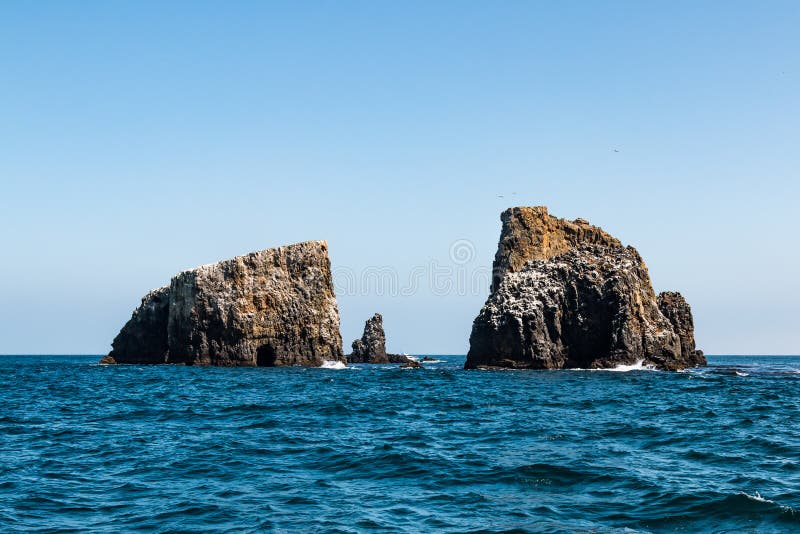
[{"x": 331, "y": 364}]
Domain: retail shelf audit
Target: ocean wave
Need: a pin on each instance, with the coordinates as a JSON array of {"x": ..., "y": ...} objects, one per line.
[
  {"x": 231, "y": 449},
  {"x": 744, "y": 504},
  {"x": 331, "y": 364}
]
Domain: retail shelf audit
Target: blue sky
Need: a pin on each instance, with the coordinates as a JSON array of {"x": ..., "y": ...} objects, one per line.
[{"x": 141, "y": 138}]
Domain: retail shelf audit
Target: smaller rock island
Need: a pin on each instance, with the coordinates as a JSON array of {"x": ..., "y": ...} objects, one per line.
[{"x": 371, "y": 348}]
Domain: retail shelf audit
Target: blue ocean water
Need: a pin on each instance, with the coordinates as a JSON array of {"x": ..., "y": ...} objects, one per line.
[{"x": 85, "y": 447}]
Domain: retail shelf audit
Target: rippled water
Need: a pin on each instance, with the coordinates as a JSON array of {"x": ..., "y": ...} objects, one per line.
[{"x": 368, "y": 448}]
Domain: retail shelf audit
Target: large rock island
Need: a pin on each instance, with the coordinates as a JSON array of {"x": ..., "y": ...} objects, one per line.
[
  {"x": 269, "y": 308},
  {"x": 566, "y": 294}
]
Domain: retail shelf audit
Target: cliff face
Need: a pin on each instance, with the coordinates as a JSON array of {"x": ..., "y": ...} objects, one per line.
[
  {"x": 267, "y": 308},
  {"x": 677, "y": 311},
  {"x": 531, "y": 233},
  {"x": 143, "y": 339},
  {"x": 569, "y": 295}
]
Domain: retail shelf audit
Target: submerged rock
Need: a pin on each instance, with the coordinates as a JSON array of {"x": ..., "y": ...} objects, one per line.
[
  {"x": 411, "y": 364},
  {"x": 569, "y": 295},
  {"x": 268, "y": 308},
  {"x": 371, "y": 348}
]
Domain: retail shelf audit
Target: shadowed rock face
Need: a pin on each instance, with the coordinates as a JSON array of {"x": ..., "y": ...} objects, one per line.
[
  {"x": 371, "y": 348},
  {"x": 143, "y": 339},
  {"x": 679, "y": 313},
  {"x": 579, "y": 300},
  {"x": 267, "y": 308}
]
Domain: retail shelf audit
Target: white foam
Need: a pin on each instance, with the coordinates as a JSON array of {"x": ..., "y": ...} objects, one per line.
[
  {"x": 330, "y": 364},
  {"x": 638, "y": 366},
  {"x": 756, "y": 497}
]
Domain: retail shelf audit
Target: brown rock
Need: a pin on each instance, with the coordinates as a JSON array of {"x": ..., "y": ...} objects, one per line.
[
  {"x": 582, "y": 301},
  {"x": 267, "y": 308},
  {"x": 679, "y": 313},
  {"x": 371, "y": 348},
  {"x": 530, "y": 233}
]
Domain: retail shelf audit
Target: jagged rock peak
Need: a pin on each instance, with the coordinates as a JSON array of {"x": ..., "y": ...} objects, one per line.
[
  {"x": 531, "y": 233},
  {"x": 371, "y": 348},
  {"x": 266, "y": 308}
]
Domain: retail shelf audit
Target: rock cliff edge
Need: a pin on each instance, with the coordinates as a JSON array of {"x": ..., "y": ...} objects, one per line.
[{"x": 269, "y": 308}]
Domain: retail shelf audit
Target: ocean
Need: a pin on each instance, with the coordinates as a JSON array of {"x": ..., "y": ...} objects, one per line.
[{"x": 375, "y": 448}]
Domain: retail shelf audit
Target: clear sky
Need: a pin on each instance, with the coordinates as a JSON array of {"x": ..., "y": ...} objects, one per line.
[{"x": 141, "y": 138}]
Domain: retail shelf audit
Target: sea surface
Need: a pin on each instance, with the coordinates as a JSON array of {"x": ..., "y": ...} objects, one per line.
[{"x": 85, "y": 447}]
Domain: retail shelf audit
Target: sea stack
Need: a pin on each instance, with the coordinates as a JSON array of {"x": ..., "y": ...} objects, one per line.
[
  {"x": 371, "y": 348},
  {"x": 269, "y": 308},
  {"x": 566, "y": 294}
]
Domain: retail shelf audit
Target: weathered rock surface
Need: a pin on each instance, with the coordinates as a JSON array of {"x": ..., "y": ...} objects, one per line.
[
  {"x": 371, "y": 348},
  {"x": 579, "y": 300},
  {"x": 679, "y": 313},
  {"x": 268, "y": 308},
  {"x": 531, "y": 233}
]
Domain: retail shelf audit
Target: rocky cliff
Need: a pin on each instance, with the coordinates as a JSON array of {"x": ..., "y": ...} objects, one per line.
[
  {"x": 143, "y": 339},
  {"x": 569, "y": 295},
  {"x": 371, "y": 348},
  {"x": 268, "y": 308},
  {"x": 677, "y": 311},
  {"x": 531, "y": 233}
]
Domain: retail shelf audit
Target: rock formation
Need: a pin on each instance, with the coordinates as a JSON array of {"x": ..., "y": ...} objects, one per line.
[
  {"x": 568, "y": 295},
  {"x": 143, "y": 339},
  {"x": 371, "y": 348},
  {"x": 530, "y": 233},
  {"x": 677, "y": 311},
  {"x": 268, "y": 308}
]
